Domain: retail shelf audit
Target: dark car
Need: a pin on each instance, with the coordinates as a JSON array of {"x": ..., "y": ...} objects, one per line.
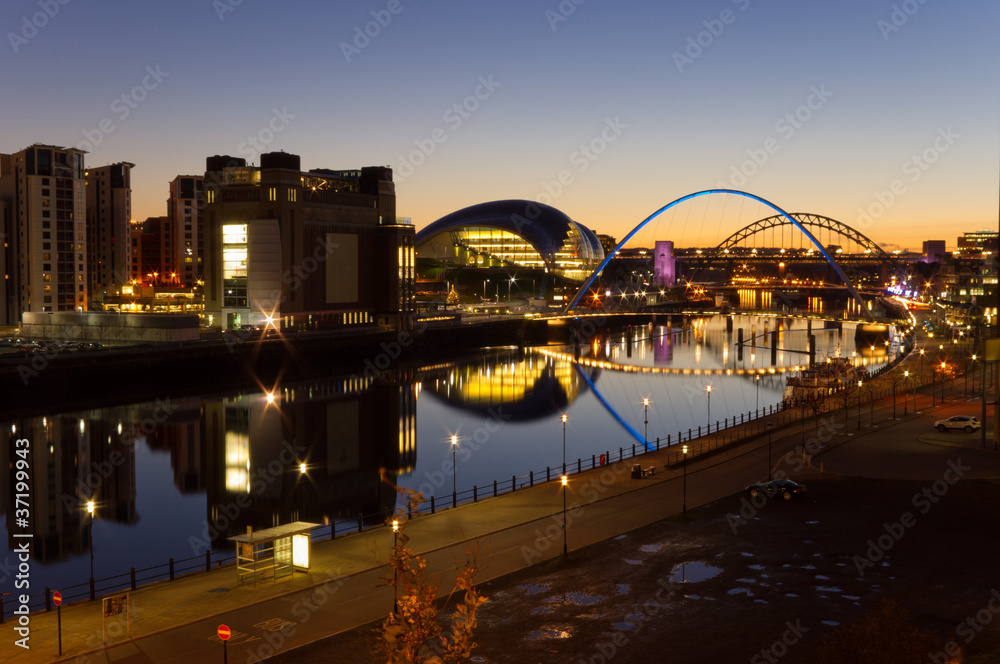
[
  {"x": 966, "y": 423},
  {"x": 784, "y": 488}
]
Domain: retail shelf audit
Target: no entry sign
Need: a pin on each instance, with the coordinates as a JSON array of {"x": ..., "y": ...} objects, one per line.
[
  {"x": 57, "y": 598},
  {"x": 224, "y": 632}
]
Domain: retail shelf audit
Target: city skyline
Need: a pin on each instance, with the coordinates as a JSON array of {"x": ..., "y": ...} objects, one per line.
[{"x": 870, "y": 113}]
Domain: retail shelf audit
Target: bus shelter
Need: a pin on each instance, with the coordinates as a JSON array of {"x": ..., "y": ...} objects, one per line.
[{"x": 272, "y": 553}]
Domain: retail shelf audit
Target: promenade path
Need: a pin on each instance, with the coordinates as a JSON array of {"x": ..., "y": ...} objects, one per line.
[{"x": 177, "y": 621}]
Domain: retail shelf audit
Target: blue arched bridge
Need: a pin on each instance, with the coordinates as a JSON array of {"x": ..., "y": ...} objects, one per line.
[{"x": 804, "y": 222}]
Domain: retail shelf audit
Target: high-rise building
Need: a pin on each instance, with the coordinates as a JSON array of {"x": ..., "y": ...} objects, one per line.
[
  {"x": 184, "y": 232},
  {"x": 664, "y": 264},
  {"x": 46, "y": 237},
  {"x": 8, "y": 299},
  {"x": 304, "y": 249},
  {"x": 109, "y": 211}
]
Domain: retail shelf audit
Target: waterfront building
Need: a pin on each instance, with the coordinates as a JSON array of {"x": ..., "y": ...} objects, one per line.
[
  {"x": 513, "y": 234},
  {"x": 304, "y": 249},
  {"x": 184, "y": 236},
  {"x": 45, "y": 252},
  {"x": 109, "y": 212}
]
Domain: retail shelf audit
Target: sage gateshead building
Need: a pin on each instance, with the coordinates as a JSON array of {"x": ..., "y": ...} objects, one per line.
[{"x": 512, "y": 233}]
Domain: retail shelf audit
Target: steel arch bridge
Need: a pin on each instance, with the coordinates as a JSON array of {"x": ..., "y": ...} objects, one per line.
[
  {"x": 782, "y": 218},
  {"x": 804, "y": 220}
]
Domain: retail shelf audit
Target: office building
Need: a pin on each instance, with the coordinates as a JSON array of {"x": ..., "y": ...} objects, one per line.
[
  {"x": 46, "y": 236},
  {"x": 975, "y": 243},
  {"x": 304, "y": 249}
]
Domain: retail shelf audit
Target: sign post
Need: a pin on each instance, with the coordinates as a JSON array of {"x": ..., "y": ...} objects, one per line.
[
  {"x": 224, "y": 634},
  {"x": 57, "y": 600}
]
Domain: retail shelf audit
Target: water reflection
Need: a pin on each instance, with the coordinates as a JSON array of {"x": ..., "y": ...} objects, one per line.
[{"x": 172, "y": 478}]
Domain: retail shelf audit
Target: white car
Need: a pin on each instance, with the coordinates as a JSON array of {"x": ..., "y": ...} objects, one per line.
[{"x": 966, "y": 423}]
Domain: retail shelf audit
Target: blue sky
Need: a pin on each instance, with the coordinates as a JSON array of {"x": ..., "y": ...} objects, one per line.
[{"x": 883, "y": 115}]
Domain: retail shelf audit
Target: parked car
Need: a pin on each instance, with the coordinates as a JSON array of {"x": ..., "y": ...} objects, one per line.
[
  {"x": 966, "y": 423},
  {"x": 784, "y": 488}
]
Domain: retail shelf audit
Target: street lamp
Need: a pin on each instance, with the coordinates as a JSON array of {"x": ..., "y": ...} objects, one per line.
[
  {"x": 708, "y": 391},
  {"x": 564, "y": 418},
  {"x": 565, "y": 482},
  {"x": 395, "y": 586},
  {"x": 859, "y": 405},
  {"x": 485, "y": 281},
  {"x": 906, "y": 379},
  {"x": 90, "y": 538},
  {"x": 454, "y": 472},
  {"x": 757, "y": 380},
  {"x": 684, "y": 503},
  {"x": 645, "y": 421}
]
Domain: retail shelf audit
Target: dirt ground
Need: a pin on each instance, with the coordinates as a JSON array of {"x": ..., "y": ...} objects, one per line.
[{"x": 761, "y": 588}]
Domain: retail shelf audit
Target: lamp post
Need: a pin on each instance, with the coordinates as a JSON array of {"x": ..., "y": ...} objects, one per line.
[
  {"x": 90, "y": 538},
  {"x": 565, "y": 482},
  {"x": 757, "y": 380},
  {"x": 485, "y": 281},
  {"x": 708, "y": 391},
  {"x": 920, "y": 379},
  {"x": 395, "y": 587},
  {"x": 645, "y": 421},
  {"x": 906, "y": 379},
  {"x": 859, "y": 405},
  {"x": 684, "y": 503},
  {"x": 454, "y": 472},
  {"x": 564, "y": 418}
]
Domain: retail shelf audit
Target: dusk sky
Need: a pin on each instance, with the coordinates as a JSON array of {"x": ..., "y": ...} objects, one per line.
[{"x": 834, "y": 108}]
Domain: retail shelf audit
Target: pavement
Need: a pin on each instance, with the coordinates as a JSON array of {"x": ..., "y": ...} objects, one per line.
[{"x": 344, "y": 588}]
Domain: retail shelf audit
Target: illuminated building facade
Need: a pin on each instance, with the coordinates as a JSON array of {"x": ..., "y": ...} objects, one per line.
[
  {"x": 46, "y": 237},
  {"x": 976, "y": 243},
  {"x": 109, "y": 211},
  {"x": 513, "y": 233},
  {"x": 305, "y": 250}
]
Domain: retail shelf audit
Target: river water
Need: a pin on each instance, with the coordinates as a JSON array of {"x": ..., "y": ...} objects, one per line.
[{"x": 170, "y": 478}]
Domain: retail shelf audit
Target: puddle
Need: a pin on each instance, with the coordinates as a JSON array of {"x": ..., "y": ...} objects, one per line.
[
  {"x": 623, "y": 588},
  {"x": 808, "y": 567},
  {"x": 740, "y": 591},
  {"x": 535, "y": 588},
  {"x": 828, "y": 589},
  {"x": 790, "y": 595},
  {"x": 693, "y": 572},
  {"x": 623, "y": 626},
  {"x": 710, "y": 599},
  {"x": 830, "y": 623},
  {"x": 811, "y": 523},
  {"x": 632, "y": 562},
  {"x": 853, "y": 598},
  {"x": 556, "y": 632},
  {"x": 542, "y": 609},
  {"x": 822, "y": 578},
  {"x": 621, "y": 537},
  {"x": 746, "y": 580},
  {"x": 760, "y": 601},
  {"x": 650, "y": 548},
  {"x": 746, "y": 555},
  {"x": 756, "y": 568}
]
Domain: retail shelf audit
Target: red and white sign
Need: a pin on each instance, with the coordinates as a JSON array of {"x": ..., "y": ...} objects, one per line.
[
  {"x": 224, "y": 632},
  {"x": 57, "y": 598}
]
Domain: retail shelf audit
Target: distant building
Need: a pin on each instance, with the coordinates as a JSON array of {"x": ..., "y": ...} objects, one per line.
[
  {"x": 608, "y": 243},
  {"x": 184, "y": 236},
  {"x": 45, "y": 258},
  {"x": 664, "y": 265},
  {"x": 977, "y": 242},
  {"x": 109, "y": 211},
  {"x": 934, "y": 251},
  {"x": 304, "y": 249}
]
